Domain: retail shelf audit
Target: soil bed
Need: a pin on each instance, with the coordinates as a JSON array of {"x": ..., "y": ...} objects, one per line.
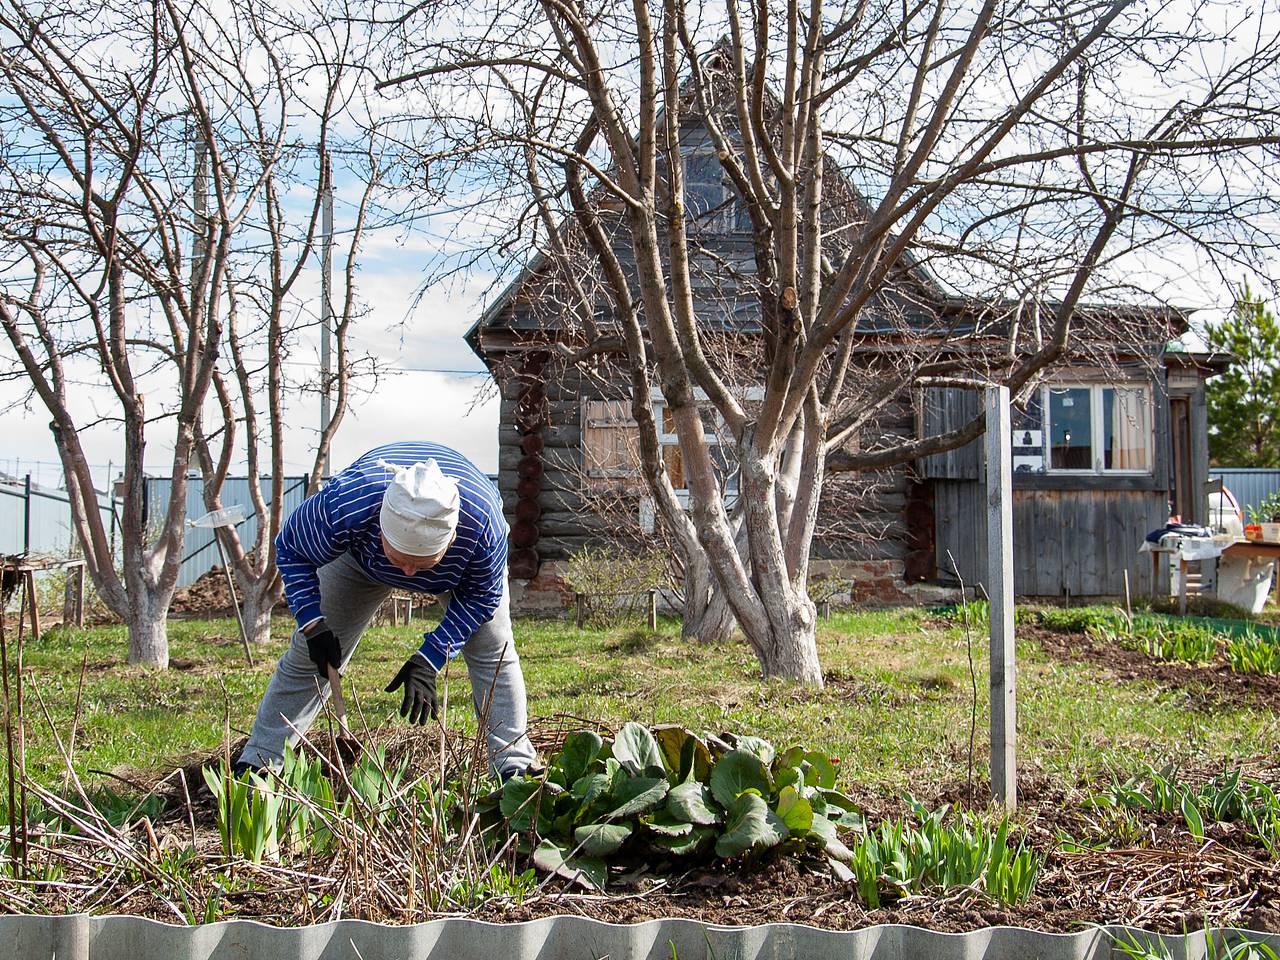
[
  {"x": 1168, "y": 882},
  {"x": 1213, "y": 684},
  {"x": 1162, "y": 880}
]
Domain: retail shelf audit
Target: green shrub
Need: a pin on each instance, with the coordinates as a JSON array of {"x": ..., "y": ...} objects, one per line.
[
  {"x": 1186, "y": 642},
  {"x": 1076, "y": 619},
  {"x": 614, "y": 584},
  {"x": 669, "y": 791},
  {"x": 1251, "y": 652}
]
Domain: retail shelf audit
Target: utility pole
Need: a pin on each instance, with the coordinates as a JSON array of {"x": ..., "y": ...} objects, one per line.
[{"x": 326, "y": 292}]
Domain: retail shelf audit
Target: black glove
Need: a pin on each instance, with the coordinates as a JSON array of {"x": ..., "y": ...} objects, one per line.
[
  {"x": 323, "y": 648},
  {"x": 419, "y": 680}
]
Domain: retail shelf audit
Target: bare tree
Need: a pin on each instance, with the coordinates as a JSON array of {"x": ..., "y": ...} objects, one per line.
[
  {"x": 266, "y": 310},
  {"x": 931, "y": 196},
  {"x": 137, "y": 144}
]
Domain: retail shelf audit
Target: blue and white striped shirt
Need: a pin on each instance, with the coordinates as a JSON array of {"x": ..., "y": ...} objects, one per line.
[{"x": 343, "y": 517}]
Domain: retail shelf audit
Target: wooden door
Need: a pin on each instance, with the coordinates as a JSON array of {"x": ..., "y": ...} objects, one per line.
[{"x": 1181, "y": 476}]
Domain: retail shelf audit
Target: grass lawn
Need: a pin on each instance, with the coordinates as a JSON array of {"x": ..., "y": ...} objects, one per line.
[{"x": 896, "y": 710}]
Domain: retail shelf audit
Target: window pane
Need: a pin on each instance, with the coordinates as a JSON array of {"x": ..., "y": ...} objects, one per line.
[
  {"x": 1126, "y": 429},
  {"x": 1070, "y": 429}
]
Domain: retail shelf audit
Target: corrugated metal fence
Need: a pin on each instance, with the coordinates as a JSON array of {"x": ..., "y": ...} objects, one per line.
[
  {"x": 1250, "y": 486},
  {"x": 200, "y": 552},
  {"x": 80, "y": 937},
  {"x": 37, "y": 520}
]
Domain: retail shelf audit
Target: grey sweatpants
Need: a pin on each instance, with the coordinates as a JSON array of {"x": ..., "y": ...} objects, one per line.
[{"x": 349, "y": 600}]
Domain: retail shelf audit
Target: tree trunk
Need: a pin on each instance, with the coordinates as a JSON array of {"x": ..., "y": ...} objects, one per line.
[
  {"x": 712, "y": 622},
  {"x": 148, "y": 630},
  {"x": 257, "y": 601},
  {"x": 792, "y": 648}
]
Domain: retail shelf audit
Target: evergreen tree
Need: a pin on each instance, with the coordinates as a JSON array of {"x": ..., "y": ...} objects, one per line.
[{"x": 1244, "y": 403}]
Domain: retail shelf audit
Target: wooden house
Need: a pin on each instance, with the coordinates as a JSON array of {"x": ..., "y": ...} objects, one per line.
[{"x": 1105, "y": 451}]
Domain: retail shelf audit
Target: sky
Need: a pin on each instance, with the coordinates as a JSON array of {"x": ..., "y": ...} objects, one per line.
[
  {"x": 432, "y": 386},
  {"x": 413, "y": 400}
]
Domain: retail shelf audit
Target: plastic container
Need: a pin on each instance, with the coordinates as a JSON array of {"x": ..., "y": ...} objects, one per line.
[{"x": 1245, "y": 581}]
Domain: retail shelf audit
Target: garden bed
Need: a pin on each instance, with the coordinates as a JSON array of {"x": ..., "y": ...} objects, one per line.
[{"x": 1142, "y": 869}]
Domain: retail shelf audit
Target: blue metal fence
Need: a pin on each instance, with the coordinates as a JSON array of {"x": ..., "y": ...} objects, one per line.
[
  {"x": 1249, "y": 485},
  {"x": 37, "y": 520},
  {"x": 200, "y": 552}
]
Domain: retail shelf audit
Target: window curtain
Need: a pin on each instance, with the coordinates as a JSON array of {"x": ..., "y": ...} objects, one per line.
[{"x": 1129, "y": 430}]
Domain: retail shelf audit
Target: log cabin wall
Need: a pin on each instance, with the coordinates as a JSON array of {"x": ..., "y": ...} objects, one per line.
[{"x": 863, "y": 535}]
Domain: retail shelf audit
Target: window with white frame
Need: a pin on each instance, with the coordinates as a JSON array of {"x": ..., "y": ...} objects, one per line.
[
  {"x": 1097, "y": 428},
  {"x": 719, "y": 444}
]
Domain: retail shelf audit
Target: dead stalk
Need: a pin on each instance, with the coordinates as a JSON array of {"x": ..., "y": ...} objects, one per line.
[{"x": 75, "y": 716}]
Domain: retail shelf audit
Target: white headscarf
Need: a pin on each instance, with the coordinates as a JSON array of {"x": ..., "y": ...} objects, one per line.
[{"x": 419, "y": 509}]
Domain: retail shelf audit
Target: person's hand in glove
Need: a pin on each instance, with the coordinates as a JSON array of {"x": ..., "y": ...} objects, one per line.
[
  {"x": 418, "y": 677},
  {"x": 322, "y": 646}
]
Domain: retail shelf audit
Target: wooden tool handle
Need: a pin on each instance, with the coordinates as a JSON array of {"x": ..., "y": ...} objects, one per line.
[{"x": 339, "y": 705}]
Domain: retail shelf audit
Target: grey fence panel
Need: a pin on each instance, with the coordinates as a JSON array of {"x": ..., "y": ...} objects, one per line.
[
  {"x": 1249, "y": 485},
  {"x": 199, "y": 553},
  {"x": 37, "y": 520},
  {"x": 80, "y": 937}
]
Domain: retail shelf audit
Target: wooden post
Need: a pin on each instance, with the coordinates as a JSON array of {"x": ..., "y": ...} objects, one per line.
[
  {"x": 33, "y": 604},
  {"x": 653, "y": 610},
  {"x": 1182, "y": 586},
  {"x": 580, "y": 611},
  {"x": 79, "y": 574},
  {"x": 1004, "y": 779},
  {"x": 68, "y": 597}
]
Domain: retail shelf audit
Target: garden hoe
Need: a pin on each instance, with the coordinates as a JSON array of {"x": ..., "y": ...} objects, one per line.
[{"x": 346, "y": 747}]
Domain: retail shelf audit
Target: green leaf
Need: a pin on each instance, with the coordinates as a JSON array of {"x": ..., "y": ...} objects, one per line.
[
  {"x": 601, "y": 839},
  {"x": 637, "y": 750},
  {"x": 823, "y": 771},
  {"x": 735, "y": 772},
  {"x": 795, "y": 811},
  {"x": 791, "y": 757},
  {"x": 825, "y": 830},
  {"x": 840, "y": 871},
  {"x": 587, "y": 871},
  {"x": 590, "y": 788},
  {"x": 684, "y": 752},
  {"x": 664, "y": 824},
  {"x": 691, "y": 802},
  {"x": 1190, "y": 813},
  {"x": 580, "y": 749},
  {"x": 752, "y": 826},
  {"x": 520, "y": 802},
  {"x": 696, "y": 841},
  {"x": 637, "y": 796},
  {"x": 836, "y": 799},
  {"x": 759, "y": 746}
]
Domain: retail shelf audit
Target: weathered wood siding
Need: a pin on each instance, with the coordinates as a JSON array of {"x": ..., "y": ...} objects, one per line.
[
  {"x": 1080, "y": 541},
  {"x": 861, "y": 516}
]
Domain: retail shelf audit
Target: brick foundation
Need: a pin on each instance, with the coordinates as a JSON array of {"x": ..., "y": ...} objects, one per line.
[{"x": 546, "y": 595}]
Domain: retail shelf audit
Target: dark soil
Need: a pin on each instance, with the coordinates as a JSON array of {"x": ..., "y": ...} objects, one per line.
[
  {"x": 1214, "y": 684},
  {"x": 206, "y": 598}
]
